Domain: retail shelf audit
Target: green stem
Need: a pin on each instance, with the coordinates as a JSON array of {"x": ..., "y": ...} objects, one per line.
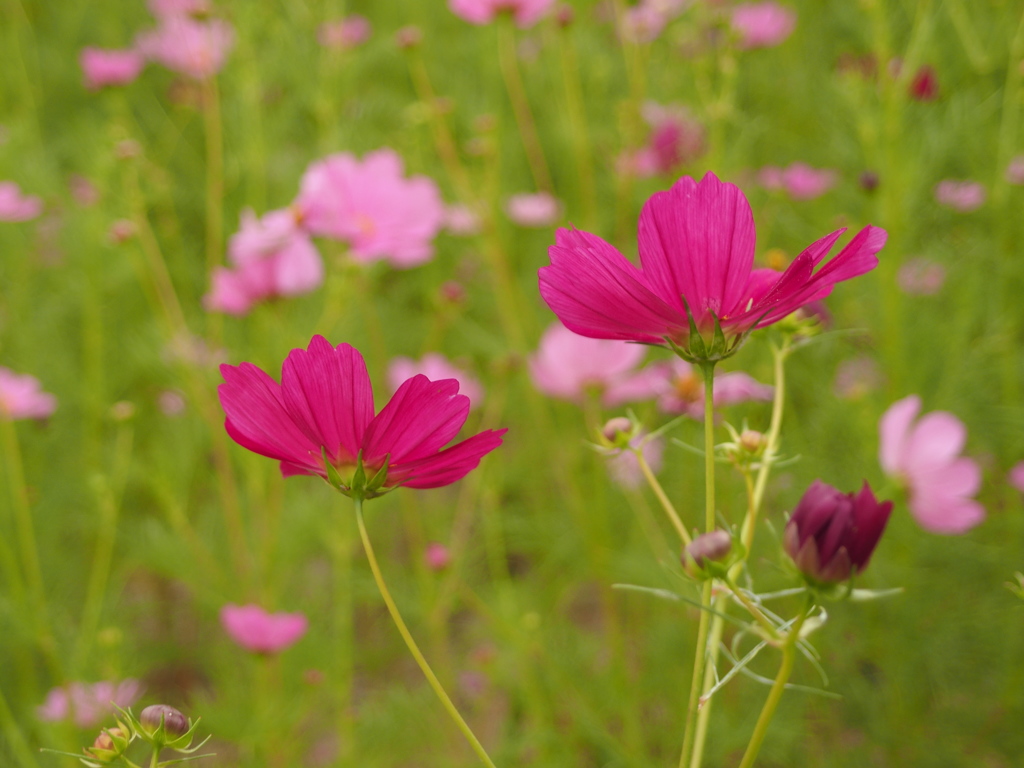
[
  {"x": 214, "y": 174},
  {"x": 775, "y": 694},
  {"x": 411, "y": 644},
  {"x": 666, "y": 504}
]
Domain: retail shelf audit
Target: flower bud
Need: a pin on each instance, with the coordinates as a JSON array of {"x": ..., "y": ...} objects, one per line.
[
  {"x": 408, "y": 37},
  {"x": 714, "y": 546},
  {"x": 618, "y": 430},
  {"x": 752, "y": 441},
  {"x": 160, "y": 716},
  {"x": 831, "y": 535},
  {"x": 108, "y": 746}
]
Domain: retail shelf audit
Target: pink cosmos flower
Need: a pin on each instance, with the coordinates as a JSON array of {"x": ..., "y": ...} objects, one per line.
[
  {"x": 14, "y": 206},
  {"x": 110, "y": 67},
  {"x": 435, "y": 367},
  {"x": 1015, "y": 170},
  {"x": 188, "y": 46},
  {"x": 762, "y": 25},
  {"x": 539, "y": 209},
  {"x": 696, "y": 244},
  {"x": 370, "y": 205},
  {"x": 345, "y": 34},
  {"x": 323, "y": 411},
  {"x": 624, "y": 468},
  {"x": 437, "y": 556},
  {"x": 526, "y": 12},
  {"x": 925, "y": 458},
  {"x": 856, "y": 378},
  {"x": 1016, "y": 476},
  {"x": 260, "y": 632},
  {"x": 461, "y": 220},
  {"x": 963, "y": 196},
  {"x": 925, "y": 84},
  {"x": 567, "y": 365},
  {"x": 22, "y": 398},
  {"x": 679, "y": 388},
  {"x": 799, "y": 180},
  {"x": 676, "y": 139},
  {"x": 87, "y": 705},
  {"x": 272, "y": 257},
  {"x": 921, "y": 277}
]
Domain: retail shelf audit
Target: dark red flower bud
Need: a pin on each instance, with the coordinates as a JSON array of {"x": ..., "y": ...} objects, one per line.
[
  {"x": 174, "y": 722},
  {"x": 831, "y": 534}
]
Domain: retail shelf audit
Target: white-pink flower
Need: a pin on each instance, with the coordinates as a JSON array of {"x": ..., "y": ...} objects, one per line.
[
  {"x": 799, "y": 180},
  {"x": 103, "y": 67},
  {"x": 1016, "y": 476},
  {"x": 921, "y": 277},
  {"x": 963, "y": 196},
  {"x": 680, "y": 388},
  {"x": 435, "y": 367},
  {"x": 372, "y": 206},
  {"x": 925, "y": 457},
  {"x": 526, "y": 12},
  {"x": 761, "y": 25},
  {"x": 539, "y": 209},
  {"x": 15, "y": 206},
  {"x": 187, "y": 45},
  {"x": 567, "y": 366},
  {"x": 256, "y": 630},
  {"x": 21, "y": 397},
  {"x": 344, "y": 34},
  {"x": 87, "y": 705},
  {"x": 271, "y": 256}
]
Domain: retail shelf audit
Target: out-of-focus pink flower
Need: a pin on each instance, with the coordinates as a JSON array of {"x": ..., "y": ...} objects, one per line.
[
  {"x": 643, "y": 22},
  {"x": 87, "y": 705},
  {"x": 679, "y": 388},
  {"x": 539, "y": 209},
  {"x": 171, "y": 402},
  {"x": 676, "y": 139},
  {"x": 437, "y": 556},
  {"x": 161, "y": 8},
  {"x": 762, "y": 25},
  {"x": 103, "y": 67},
  {"x": 857, "y": 377},
  {"x": 14, "y": 206},
  {"x": 345, "y": 34},
  {"x": 371, "y": 205},
  {"x": 799, "y": 180},
  {"x": 526, "y": 12},
  {"x": 435, "y": 367},
  {"x": 22, "y": 398},
  {"x": 696, "y": 244},
  {"x": 323, "y": 411},
  {"x": 260, "y": 632},
  {"x": 187, "y": 45},
  {"x": 963, "y": 196},
  {"x": 925, "y": 84},
  {"x": 624, "y": 467},
  {"x": 921, "y": 277},
  {"x": 567, "y": 366},
  {"x": 461, "y": 220},
  {"x": 83, "y": 190},
  {"x": 925, "y": 457},
  {"x": 1016, "y": 476},
  {"x": 1015, "y": 170},
  {"x": 272, "y": 257}
]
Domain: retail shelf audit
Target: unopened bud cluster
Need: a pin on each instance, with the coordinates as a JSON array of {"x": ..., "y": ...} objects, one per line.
[{"x": 160, "y": 726}]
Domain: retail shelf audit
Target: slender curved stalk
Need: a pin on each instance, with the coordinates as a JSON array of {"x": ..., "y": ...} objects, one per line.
[
  {"x": 411, "y": 644},
  {"x": 666, "y": 504}
]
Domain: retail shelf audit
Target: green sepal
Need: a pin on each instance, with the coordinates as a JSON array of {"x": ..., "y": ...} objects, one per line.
[
  {"x": 333, "y": 478},
  {"x": 378, "y": 480}
]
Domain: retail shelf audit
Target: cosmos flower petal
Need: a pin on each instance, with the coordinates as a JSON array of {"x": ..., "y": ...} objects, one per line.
[
  {"x": 936, "y": 440},
  {"x": 449, "y": 465},
  {"x": 422, "y": 416},
  {"x": 893, "y": 429}
]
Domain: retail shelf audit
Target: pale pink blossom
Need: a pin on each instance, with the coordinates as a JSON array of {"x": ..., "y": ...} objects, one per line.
[
  {"x": 86, "y": 193},
  {"x": 435, "y": 367},
  {"x": 103, "y": 67},
  {"x": 963, "y": 196},
  {"x": 856, "y": 378},
  {"x": 437, "y": 556},
  {"x": 643, "y": 22},
  {"x": 567, "y": 366},
  {"x": 461, "y": 220},
  {"x": 676, "y": 139},
  {"x": 624, "y": 467},
  {"x": 925, "y": 457},
  {"x": 372, "y": 206},
  {"x": 345, "y": 34},
  {"x": 15, "y": 206},
  {"x": 271, "y": 256},
  {"x": 526, "y": 12},
  {"x": 762, "y": 25},
  {"x": 260, "y": 632},
  {"x": 1016, "y": 476},
  {"x": 921, "y": 277},
  {"x": 187, "y": 45},
  {"x": 799, "y": 180},
  {"x": 679, "y": 388},
  {"x": 22, "y": 398},
  {"x": 539, "y": 209},
  {"x": 1015, "y": 170},
  {"x": 87, "y": 705}
]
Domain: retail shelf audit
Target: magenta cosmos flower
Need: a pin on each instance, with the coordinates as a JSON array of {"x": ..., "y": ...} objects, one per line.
[
  {"x": 526, "y": 12},
  {"x": 102, "y": 67},
  {"x": 16, "y": 206},
  {"x": 925, "y": 457},
  {"x": 260, "y": 632},
  {"x": 831, "y": 534},
  {"x": 696, "y": 244},
  {"x": 370, "y": 205},
  {"x": 21, "y": 397},
  {"x": 435, "y": 366},
  {"x": 762, "y": 25},
  {"x": 320, "y": 421}
]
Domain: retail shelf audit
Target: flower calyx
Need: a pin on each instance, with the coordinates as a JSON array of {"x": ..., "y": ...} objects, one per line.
[{"x": 358, "y": 486}]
